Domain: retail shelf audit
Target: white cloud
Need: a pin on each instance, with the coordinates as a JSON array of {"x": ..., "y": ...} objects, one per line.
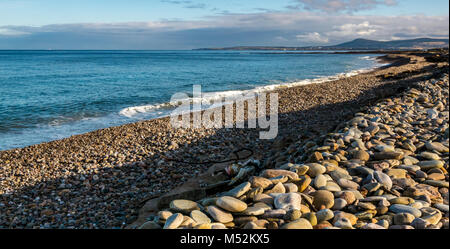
[
  {"x": 342, "y": 5},
  {"x": 363, "y": 29},
  {"x": 313, "y": 38},
  {"x": 275, "y": 28}
]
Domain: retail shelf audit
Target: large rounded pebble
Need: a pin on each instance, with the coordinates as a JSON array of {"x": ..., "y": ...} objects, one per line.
[
  {"x": 183, "y": 206},
  {"x": 200, "y": 217},
  {"x": 219, "y": 215},
  {"x": 239, "y": 190},
  {"x": 403, "y": 219},
  {"x": 288, "y": 201},
  {"x": 271, "y": 173},
  {"x": 298, "y": 224},
  {"x": 347, "y": 184},
  {"x": 324, "y": 215},
  {"x": 323, "y": 199},
  {"x": 260, "y": 182},
  {"x": 315, "y": 169},
  {"x": 372, "y": 226},
  {"x": 399, "y": 208},
  {"x": 383, "y": 179},
  {"x": 320, "y": 181},
  {"x": 231, "y": 204},
  {"x": 254, "y": 211},
  {"x": 174, "y": 221}
]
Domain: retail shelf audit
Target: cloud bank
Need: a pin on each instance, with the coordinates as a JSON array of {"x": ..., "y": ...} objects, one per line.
[
  {"x": 348, "y": 6},
  {"x": 298, "y": 28}
]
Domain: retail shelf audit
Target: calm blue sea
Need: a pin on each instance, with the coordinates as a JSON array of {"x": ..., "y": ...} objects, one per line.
[{"x": 49, "y": 95}]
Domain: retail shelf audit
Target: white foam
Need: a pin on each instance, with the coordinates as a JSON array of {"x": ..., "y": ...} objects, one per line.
[{"x": 209, "y": 98}]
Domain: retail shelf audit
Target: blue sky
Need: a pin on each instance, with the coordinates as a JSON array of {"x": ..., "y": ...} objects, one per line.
[{"x": 166, "y": 24}]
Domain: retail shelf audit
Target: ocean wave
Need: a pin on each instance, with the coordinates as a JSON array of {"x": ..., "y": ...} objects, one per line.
[{"x": 216, "y": 99}]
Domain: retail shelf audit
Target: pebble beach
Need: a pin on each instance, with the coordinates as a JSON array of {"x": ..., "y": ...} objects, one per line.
[{"x": 363, "y": 152}]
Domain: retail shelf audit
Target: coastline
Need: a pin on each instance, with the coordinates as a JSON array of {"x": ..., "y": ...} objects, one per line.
[{"x": 123, "y": 165}]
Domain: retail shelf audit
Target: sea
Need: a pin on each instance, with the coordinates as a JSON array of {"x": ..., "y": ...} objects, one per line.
[{"x": 50, "y": 95}]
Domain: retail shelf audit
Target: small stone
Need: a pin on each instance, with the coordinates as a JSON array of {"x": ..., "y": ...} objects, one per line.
[
  {"x": 432, "y": 215},
  {"x": 403, "y": 219},
  {"x": 290, "y": 187},
  {"x": 347, "y": 184},
  {"x": 439, "y": 184},
  {"x": 366, "y": 206},
  {"x": 408, "y": 160},
  {"x": 262, "y": 205},
  {"x": 399, "y": 208},
  {"x": 401, "y": 227},
  {"x": 419, "y": 223},
  {"x": 436, "y": 177},
  {"x": 320, "y": 181},
  {"x": 436, "y": 147},
  {"x": 279, "y": 179},
  {"x": 434, "y": 164},
  {"x": 260, "y": 182},
  {"x": 383, "y": 179},
  {"x": 311, "y": 217},
  {"x": 293, "y": 214},
  {"x": 218, "y": 226},
  {"x": 174, "y": 221},
  {"x": 219, "y": 215},
  {"x": 315, "y": 169},
  {"x": 298, "y": 224},
  {"x": 429, "y": 155},
  {"x": 239, "y": 190},
  {"x": 251, "y": 225},
  {"x": 396, "y": 173},
  {"x": 339, "y": 204},
  {"x": 343, "y": 223},
  {"x": 323, "y": 225},
  {"x": 361, "y": 155},
  {"x": 385, "y": 148},
  {"x": 332, "y": 187},
  {"x": 263, "y": 198},
  {"x": 304, "y": 183},
  {"x": 276, "y": 213},
  {"x": 188, "y": 222},
  {"x": 183, "y": 206},
  {"x": 324, "y": 215},
  {"x": 164, "y": 215},
  {"x": 278, "y": 188},
  {"x": 442, "y": 207},
  {"x": 288, "y": 201},
  {"x": 199, "y": 217},
  {"x": 372, "y": 226},
  {"x": 323, "y": 199},
  {"x": 348, "y": 196},
  {"x": 231, "y": 204},
  {"x": 402, "y": 200},
  {"x": 241, "y": 220},
  {"x": 254, "y": 211},
  {"x": 383, "y": 223},
  {"x": 271, "y": 173},
  {"x": 388, "y": 155}
]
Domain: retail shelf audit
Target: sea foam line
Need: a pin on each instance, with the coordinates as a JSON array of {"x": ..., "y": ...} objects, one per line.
[{"x": 207, "y": 98}]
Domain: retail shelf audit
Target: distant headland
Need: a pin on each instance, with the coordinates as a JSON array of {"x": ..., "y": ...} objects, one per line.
[{"x": 358, "y": 44}]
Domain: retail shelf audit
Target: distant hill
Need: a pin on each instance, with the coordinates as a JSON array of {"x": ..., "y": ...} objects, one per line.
[{"x": 358, "y": 44}]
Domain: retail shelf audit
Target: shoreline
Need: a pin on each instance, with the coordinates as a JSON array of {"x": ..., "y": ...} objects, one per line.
[
  {"x": 166, "y": 107},
  {"x": 124, "y": 165}
]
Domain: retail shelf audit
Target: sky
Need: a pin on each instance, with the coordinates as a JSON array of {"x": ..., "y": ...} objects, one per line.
[{"x": 187, "y": 24}]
